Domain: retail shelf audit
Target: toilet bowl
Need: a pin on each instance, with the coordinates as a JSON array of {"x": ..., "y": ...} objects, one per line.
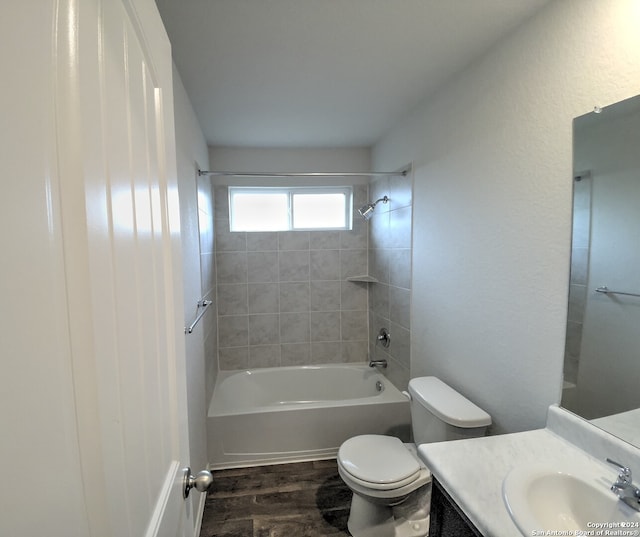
[
  {"x": 391, "y": 486},
  {"x": 382, "y": 473}
]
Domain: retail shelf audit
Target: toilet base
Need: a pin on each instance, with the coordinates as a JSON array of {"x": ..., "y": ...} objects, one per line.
[
  {"x": 367, "y": 519},
  {"x": 407, "y": 519}
]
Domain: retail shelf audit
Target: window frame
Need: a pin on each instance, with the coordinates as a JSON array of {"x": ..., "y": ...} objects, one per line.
[{"x": 291, "y": 191}]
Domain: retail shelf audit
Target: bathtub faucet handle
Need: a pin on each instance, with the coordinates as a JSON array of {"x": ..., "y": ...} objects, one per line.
[{"x": 384, "y": 337}]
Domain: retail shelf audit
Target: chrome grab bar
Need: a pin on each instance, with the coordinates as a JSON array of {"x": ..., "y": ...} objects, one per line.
[
  {"x": 202, "y": 306},
  {"x": 604, "y": 289}
]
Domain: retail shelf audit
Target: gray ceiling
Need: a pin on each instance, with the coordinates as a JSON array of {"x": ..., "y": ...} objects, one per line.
[{"x": 324, "y": 73}]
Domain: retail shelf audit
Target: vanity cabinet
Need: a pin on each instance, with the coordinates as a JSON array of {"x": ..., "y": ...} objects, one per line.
[{"x": 446, "y": 518}]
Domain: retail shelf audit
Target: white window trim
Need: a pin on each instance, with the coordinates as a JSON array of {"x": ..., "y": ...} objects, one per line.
[{"x": 290, "y": 191}]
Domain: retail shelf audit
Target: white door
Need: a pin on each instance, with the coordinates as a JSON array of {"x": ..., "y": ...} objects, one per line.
[{"x": 94, "y": 385}]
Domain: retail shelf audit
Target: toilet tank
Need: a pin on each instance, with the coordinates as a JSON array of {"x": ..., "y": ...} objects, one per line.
[{"x": 439, "y": 413}]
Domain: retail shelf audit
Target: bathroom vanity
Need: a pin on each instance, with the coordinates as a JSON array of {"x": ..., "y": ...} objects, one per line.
[
  {"x": 446, "y": 519},
  {"x": 470, "y": 475}
]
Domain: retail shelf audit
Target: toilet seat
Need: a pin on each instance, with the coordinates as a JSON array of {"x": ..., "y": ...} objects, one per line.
[{"x": 379, "y": 462}]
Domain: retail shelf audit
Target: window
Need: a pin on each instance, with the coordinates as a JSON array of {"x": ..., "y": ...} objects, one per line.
[{"x": 294, "y": 208}]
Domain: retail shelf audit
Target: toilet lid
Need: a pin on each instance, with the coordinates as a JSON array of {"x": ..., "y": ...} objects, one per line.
[{"x": 378, "y": 459}]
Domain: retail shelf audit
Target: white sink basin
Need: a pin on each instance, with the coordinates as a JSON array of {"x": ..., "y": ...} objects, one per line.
[{"x": 543, "y": 498}]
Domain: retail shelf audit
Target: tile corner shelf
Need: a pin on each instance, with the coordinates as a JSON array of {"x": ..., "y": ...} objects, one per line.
[{"x": 363, "y": 278}]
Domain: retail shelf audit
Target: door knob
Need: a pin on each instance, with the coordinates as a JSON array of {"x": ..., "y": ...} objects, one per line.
[{"x": 201, "y": 481}]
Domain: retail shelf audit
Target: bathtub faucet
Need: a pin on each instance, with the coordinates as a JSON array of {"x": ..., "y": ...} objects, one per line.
[{"x": 378, "y": 363}]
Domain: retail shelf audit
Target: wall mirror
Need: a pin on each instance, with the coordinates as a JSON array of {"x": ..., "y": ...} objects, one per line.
[{"x": 602, "y": 352}]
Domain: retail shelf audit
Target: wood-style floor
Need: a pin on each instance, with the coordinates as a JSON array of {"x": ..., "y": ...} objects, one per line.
[{"x": 286, "y": 500}]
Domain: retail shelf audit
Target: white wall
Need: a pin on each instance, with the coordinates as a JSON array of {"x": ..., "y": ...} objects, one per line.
[
  {"x": 492, "y": 151},
  {"x": 191, "y": 152},
  {"x": 243, "y": 159}
]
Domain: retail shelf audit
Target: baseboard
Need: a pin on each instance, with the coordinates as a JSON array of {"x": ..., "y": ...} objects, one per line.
[
  {"x": 268, "y": 459},
  {"x": 199, "y": 515}
]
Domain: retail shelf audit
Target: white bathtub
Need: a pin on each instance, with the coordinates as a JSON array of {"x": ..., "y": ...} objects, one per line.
[{"x": 286, "y": 414}]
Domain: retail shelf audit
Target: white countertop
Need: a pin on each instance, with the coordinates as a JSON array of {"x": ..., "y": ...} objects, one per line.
[
  {"x": 472, "y": 471},
  {"x": 624, "y": 425}
]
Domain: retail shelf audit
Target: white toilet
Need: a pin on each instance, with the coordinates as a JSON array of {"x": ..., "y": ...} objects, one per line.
[{"x": 391, "y": 486}]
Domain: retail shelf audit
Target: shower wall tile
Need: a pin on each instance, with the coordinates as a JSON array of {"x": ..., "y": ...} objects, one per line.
[
  {"x": 206, "y": 231},
  {"x": 326, "y": 352},
  {"x": 375, "y": 323},
  {"x": 397, "y": 373},
  {"x": 221, "y": 202},
  {"x": 295, "y": 354},
  {"x": 400, "y": 344},
  {"x": 294, "y": 328},
  {"x": 581, "y": 213},
  {"x": 578, "y": 279},
  {"x": 233, "y": 358},
  {"x": 379, "y": 261},
  {"x": 294, "y": 266},
  {"x": 282, "y": 295},
  {"x": 356, "y": 238},
  {"x": 294, "y": 297},
  {"x": 400, "y": 228},
  {"x": 262, "y": 267},
  {"x": 572, "y": 351},
  {"x": 264, "y": 329},
  {"x": 355, "y": 351},
  {"x": 400, "y": 192},
  {"x": 232, "y": 299},
  {"x": 263, "y": 297},
  {"x": 293, "y": 240},
  {"x": 207, "y": 272},
  {"x": 233, "y": 331},
  {"x": 577, "y": 302},
  {"x": 400, "y": 306},
  {"x": 379, "y": 189},
  {"x": 574, "y": 338},
  {"x": 379, "y": 300},
  {"x": 325, "y": 240},
  {"x": 579, "y": 265},
  {"x": 400, "y": 267},
  {"x": 353, "y": 295},
  {"x": 211, "y": 356},
  {"x": 325, "y": 326},
  {"x": 232, "y": 267},
  {"x": 227, "y": 241},
  {"x": 379, "y": 230},
  {"x": 324, "y": 264},
  {"x": 390, "y": 235},
  {"x": 324, "y": 296},
  {"x": 353, "y": 325},
  {"x": 262, "y": 242},
  {"x": 353, "y": 263},
  {"x": 264, "y": 356},
  {"x": 581, "y": 227},
  {"x": 360, "y": 197}
]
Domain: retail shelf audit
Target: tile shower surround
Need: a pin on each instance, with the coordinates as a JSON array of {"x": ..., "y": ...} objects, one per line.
[
  {"x": 389, "y": 250},
  {"x": 578, "y": 276},
  {"x": 283, "y": 298},
  {"x": 208, "y": 279}
]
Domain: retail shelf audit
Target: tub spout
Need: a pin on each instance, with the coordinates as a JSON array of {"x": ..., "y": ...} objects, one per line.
[{"x": 378, "y": 363}]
